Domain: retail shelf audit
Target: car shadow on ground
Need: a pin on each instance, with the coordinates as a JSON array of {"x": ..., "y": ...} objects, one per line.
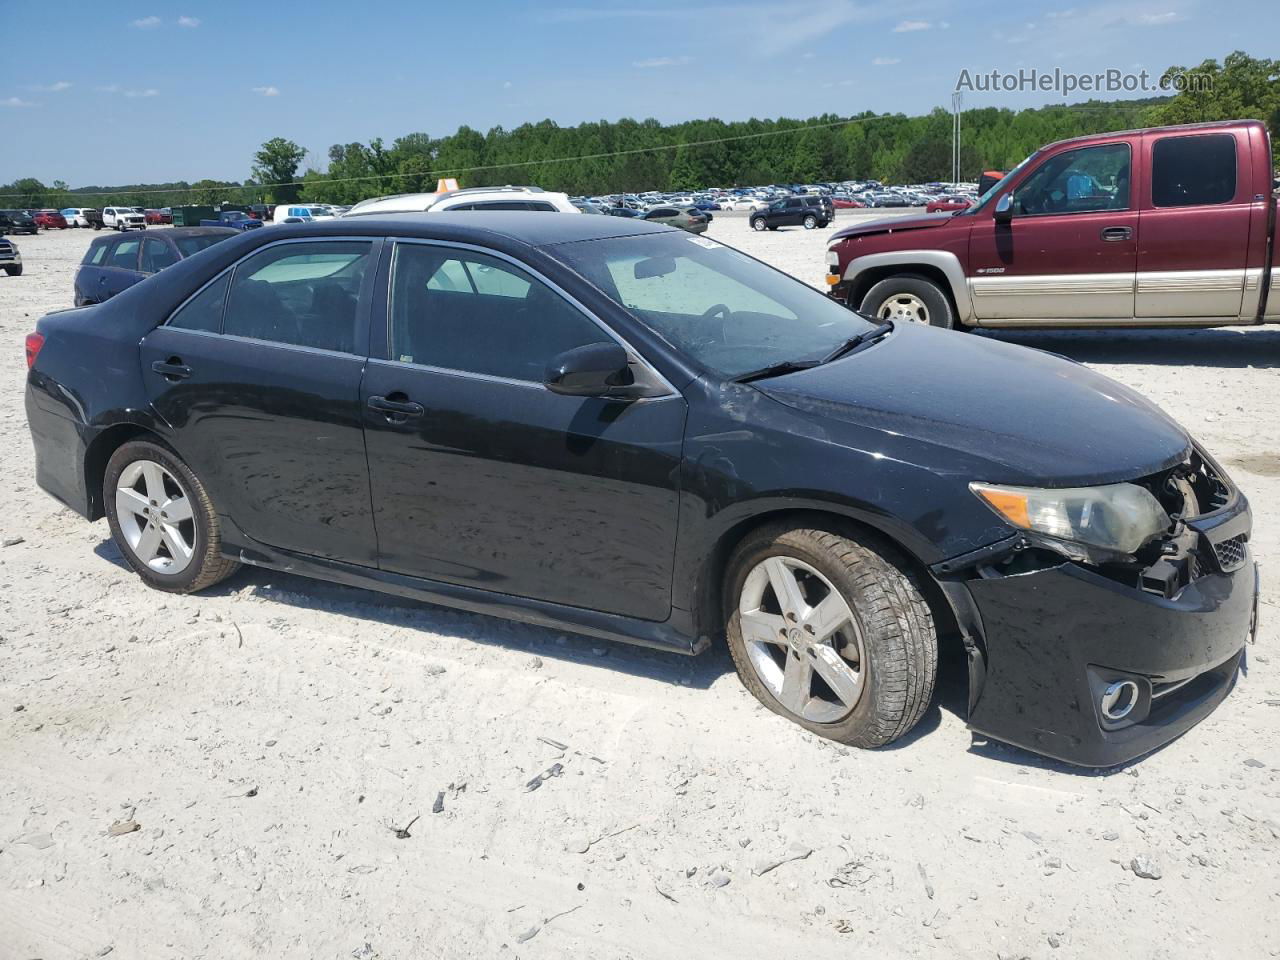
[
  {"x": 393, "y": 611},
  {"x": 1217, "y": 347}
]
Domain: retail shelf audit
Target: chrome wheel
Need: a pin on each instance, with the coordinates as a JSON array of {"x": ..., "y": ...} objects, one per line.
[
  {"x": 155, "y": 517},
  {"x": 906, "y": 307},
  {"x": 802, "y": 639}
]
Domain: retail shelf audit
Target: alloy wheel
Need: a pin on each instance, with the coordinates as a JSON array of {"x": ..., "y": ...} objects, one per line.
[
  {"x": 802, "y": 639},
  {"x": 155, "y": 516},
  {"x": 905, "y": 307}
]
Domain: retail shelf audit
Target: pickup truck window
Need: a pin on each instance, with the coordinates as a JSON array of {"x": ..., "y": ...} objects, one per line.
[
  {"x": 1193, "y": 171},
  {"x": 1077, "y": 181}
]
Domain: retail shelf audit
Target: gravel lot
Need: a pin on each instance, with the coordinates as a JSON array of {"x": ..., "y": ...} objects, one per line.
[{"x": 270, "y": 736}]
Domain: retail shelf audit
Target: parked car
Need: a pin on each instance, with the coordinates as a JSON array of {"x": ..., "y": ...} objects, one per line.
[
  {"x": 691, "y": 220},
  {"x": 112, "y": 264},
  {"x": 10, "y": 258},
  {"x": 158, "y": 217},
  {"x": 824, "y": 493},
  {"x": 793, "y": 211},
  {"x": 847, "y": 203},
  {"x": 628, "y": 212},
  {"x": 16, "y": 221},
  {"x": 236, "y": 219},
  {"x": 947, "y": 203},
  {"x": 490, "y": 199},
  {"x": 739, "y": 203},
  {"x": 83, "y": 217},
  {"x": 50, "y": 220},
  {"x": 124, "y": 218},
  {"x": 1056, "y": 242},
  {"x": 299, "y": 213}
]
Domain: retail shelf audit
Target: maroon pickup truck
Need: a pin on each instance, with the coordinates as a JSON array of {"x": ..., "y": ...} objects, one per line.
[{"x": 1160, "y": 227}]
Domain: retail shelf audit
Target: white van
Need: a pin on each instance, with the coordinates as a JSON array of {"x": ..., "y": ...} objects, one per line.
[
  {"x": 123, "y": 218},
  {"x": 299, "y": 213}
]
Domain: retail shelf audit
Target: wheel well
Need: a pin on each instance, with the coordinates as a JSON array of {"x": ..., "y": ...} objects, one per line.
[
  {"x": 95, "y": 460},
  {"x": 711, "y": 601},
  {"x": 864, "y": 281}
]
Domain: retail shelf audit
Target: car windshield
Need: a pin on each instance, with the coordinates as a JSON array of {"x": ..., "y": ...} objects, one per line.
[
  {"x": 728, "y": 312},
  {"x": 189, "y": 246},
  {"x": 999, "y": 185}
]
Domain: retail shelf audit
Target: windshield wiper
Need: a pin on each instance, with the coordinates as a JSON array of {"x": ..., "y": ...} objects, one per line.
[
  {"x": 776, "y": 370},
  {"x": 858, "y": 340}
]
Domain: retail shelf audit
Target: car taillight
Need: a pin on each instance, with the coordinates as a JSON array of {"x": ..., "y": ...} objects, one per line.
[{"x": 34, "y": 342}]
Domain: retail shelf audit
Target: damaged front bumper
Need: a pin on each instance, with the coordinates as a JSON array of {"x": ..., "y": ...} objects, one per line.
[{"x": 1098, "y": 670}]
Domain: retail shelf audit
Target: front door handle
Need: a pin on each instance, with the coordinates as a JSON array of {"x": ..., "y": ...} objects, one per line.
[
  {"x": 172, "y": 369},
  {"x": 397, "y": 411},
  {"x": 1114, "y": 234}
]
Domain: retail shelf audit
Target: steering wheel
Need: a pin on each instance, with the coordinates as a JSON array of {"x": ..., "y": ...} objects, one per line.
[{"x": 724, "y": 312}]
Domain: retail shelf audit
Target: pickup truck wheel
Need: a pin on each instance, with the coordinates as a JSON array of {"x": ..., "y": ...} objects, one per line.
[
  {"x": 909, "y": 298},
  {"x": 830, "y": 631},
  {"x": 810, "y": 222},
  {"x": 162, "y": 519},
  {"x": 759, "y": 226}
]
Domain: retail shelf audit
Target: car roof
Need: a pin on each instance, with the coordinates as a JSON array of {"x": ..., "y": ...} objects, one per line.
[
  {"x": 192, "y": 231},
  {"x": 533, "y": 228}
]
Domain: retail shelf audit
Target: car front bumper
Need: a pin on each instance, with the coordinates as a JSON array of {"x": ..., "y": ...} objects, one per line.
[{"x": 1057, "y": 637}]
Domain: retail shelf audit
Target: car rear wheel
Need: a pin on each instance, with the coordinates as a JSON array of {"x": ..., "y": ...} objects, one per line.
[
  {"x": 162, "y": 519},
  {"x": 810, "y": 222},
  {"x": 909, "y": 298},
  {"x": 832, "y": 632}
]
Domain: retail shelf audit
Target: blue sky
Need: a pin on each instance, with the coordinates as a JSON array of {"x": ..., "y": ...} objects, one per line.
[{"x": 185, "y": 89}]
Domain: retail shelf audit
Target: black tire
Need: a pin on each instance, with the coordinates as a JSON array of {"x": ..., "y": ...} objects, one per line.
[
  {"x": 901, "y": 646},
  {"x": 97, "y": 226},
  {"x": 937, "y": 306},
  {"x": 207, "y": 565},
  {"x": 758, "y": 225},
  {"x": 14, "y": 271},
  {"x": 810, "y": 222}
]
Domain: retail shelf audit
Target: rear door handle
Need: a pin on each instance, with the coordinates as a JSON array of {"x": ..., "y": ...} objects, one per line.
[
  {"x": 171, "y": 369},
  {"x": 396, "y": 409},
  {"x": 1112, "y": 234}
]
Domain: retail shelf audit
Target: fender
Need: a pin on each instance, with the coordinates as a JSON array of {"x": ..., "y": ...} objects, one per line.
[{"x": 948, "y": 263}]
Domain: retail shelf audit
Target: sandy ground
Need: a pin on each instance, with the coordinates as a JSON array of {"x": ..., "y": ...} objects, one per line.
[{"x": 271, "y": 735}]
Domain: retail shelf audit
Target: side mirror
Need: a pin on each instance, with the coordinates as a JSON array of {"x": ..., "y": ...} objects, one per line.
[
  {"x": 596, "y": 370},
  {"x": 1004, "y": 209}
]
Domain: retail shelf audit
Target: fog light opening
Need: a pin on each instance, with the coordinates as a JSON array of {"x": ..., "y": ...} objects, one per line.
[{"x": 1118, "y": 700}]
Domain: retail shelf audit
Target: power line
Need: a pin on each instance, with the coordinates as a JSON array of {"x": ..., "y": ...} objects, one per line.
[{"x": 454, "y": 171}]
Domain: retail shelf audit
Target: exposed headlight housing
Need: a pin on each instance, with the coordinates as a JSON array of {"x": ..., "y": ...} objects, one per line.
[{"x": 1119, "y": 518}]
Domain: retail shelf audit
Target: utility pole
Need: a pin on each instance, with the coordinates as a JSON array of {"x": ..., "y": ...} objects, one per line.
[{"x": 957, "y": 106}]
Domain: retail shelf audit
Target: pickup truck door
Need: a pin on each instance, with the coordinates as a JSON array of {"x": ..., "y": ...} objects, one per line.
[
  {"x": 1070, "y": 250},
  {"x": 1193, "y": 231}
]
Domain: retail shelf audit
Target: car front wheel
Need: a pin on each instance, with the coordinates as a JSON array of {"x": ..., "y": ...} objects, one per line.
[
  {"x": 909, "y": 298},
  {"x": 14, "y": 271},
  {"x": 162, "y": 519},
  {"x": 832, "y": 632},
  {"x": 759, "y": 226}
]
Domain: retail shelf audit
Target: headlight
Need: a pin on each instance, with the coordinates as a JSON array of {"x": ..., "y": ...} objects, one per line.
[
  {"x": 833, "y": 258},
  {"x": 1120, "y": 516}
]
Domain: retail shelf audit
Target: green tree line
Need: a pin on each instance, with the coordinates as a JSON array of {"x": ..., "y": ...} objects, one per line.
[{"x": 627, "y": 155}]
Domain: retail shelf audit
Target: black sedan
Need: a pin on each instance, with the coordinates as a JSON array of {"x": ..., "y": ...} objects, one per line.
[
  {"x": 618, "y": 429},
  {"x": 116, "y": 262}
]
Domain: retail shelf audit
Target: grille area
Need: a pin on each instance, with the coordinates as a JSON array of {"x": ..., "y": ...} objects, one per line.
[{"x": 1231, "y": 553}]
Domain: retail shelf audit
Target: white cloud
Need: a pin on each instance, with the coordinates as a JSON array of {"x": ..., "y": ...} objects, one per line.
[
  {"x": 267, "y": 91},
  {"x": 886, "y": 61},
  {"x": 148, "y": 92},
  {"x": 662, "y": 62},
  {"x": 911, "y": 26},
  {"x": 57, "y": 87},
  {"x": 16, "y": 102},
  {"x": 506, "y": 85},
  {"x": 1157, "y": 19},
  {"x": 147, "y": 23},
  {"x": 189, "y": 22}
]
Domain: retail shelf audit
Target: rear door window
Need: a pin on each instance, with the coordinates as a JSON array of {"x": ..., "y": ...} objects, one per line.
[
  {"x": 204, "y": 310},
  {"x": 305, "y": 294},
  {"x": 125, "y": 254},
  {"x": 156, "y": 255},
  {"x": 1193, "y": 171},
  {"x": 97, "y": 253}
]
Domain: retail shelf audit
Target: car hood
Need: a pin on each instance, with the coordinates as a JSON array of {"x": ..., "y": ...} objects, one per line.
[
  {"x": 893, "y": 225},
  {"x": 1017, "y": 415}
]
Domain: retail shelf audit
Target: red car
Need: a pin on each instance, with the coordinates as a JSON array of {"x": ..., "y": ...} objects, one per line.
[
  {"x": 939, "y": 204},
  {"x": 844, "y": 203},
  {"x": 50, "y": 220},
  {"x": 158, "y": 217}
]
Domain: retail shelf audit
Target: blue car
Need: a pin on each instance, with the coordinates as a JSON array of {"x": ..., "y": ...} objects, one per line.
[{"x": 115, "y": 262}]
